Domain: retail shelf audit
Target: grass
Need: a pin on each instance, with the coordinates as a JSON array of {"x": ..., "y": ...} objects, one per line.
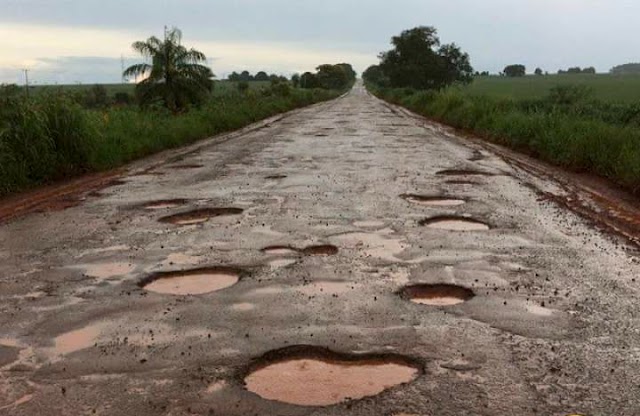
[
  {"x": 608, "y": 88},
  {"x": 51, "y": 137},
  {"x": 566, "y": 127}
]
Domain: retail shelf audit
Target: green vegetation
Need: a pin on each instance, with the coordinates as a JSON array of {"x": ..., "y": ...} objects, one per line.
[
  {"x": 514, "y": 71},
  {"x": 605, "y": 87},
  {"x": 176, "y": 77},
  {"x": 633, "y": 68},
  {"x": 418, "y": 60},
  {"x": 328, "y": 77},
  {"x": 567, "y": 127},
  {"x": 52, "y": 136}
]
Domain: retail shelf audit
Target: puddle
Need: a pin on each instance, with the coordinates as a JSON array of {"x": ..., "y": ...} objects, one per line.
[
  {"x": 433, "y": 201},
  {"x": 200, "y": 216},
  {"x": 164, "y": 204},
  {"x": 280, "y": 250},
  {"x": 463, "y": 172},
  {"x": 310, "y": 376},
  {"x": 437, "y": 295},
  {"x": 323, "y": 250},
  {"x": 108, "y": 270},
  {"x": 77, "y": 340},
  {"x": 452, "y": 223},
  {"x": 192, "y": 282}
]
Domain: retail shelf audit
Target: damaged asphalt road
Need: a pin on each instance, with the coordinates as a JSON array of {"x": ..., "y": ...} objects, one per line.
[{"x": 345, "y": 241}]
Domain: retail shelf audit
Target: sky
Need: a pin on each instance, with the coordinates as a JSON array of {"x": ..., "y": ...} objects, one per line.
[{"x": 86, "y": 41}]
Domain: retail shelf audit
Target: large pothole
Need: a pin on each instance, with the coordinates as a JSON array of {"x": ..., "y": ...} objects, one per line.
[
  {"x": 319, "y": 250},
  {"x": 200, "y": 216},
  {"x": 437, "y": 295},
  {"x": 454, "y": 223},
  {"x": 164, "y": 204},
  {"x": 463, "y": 172},
  {"x": 192, "y": 282},
  {"x": 312, "y": 376},
  {"x": 433, "y": 201}
]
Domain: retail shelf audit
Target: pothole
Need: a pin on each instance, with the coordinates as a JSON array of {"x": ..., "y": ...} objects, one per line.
[
  {"x": 462, "y": 182},
  {"x": 312, "y": 376},
  {"x": 186, "y": 166},
  {"x": 434, "y": 201},
  {"x": 322, "y": 250},
  {"x": 453, "y": 223},
  {"x": 8, "y": 354},
  {"x": 200, "y": 216},
  {"x": 463, "y": 172},
  {"x": 276, "y": 177},
  {"x": 192, "y": 282},
  {"x": 437, "y": 295},
  {"x": 164, "y": 204},
  {"x": 77, "y": 340}
]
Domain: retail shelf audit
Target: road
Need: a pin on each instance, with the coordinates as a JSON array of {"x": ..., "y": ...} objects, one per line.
[{"x": 315, "y": 237}]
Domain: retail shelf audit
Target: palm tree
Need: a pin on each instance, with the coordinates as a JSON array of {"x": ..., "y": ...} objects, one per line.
[{"x": 176, "y": 75}]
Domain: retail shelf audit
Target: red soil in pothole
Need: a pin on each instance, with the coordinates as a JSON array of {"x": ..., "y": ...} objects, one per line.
[
  {"x": 311, "y": 376},
  {"x": 454, "y": 223},
  {"x": 192, "y": 282}
]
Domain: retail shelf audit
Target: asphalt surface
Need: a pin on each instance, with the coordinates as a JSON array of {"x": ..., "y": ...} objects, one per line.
[{"x": 553, "y": 329}]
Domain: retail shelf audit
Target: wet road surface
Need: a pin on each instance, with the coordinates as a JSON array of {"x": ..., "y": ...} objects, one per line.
[{"x": 343, "y": 239}]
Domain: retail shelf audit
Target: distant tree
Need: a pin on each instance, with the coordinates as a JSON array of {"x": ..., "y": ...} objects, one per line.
[
  {"x": 484, "y": 74},
  {"x": 176, "y": 75},
  {"x": 96, "y": 97},
  {"x": 538, "y": 71},
  {"x": 374, "y": 75},
  {"x": 561, "y": 72},
  {"x": 348, "y": 69},
  {"x": 590, "y": 70},
  {"x": 418, "y": 60},
  {"x": 295, "y": 80},
  {"x": 261, "y": 76},
  {"x": 309, "y": 80},
  {"x": 332, "y": 77},
  {"x": 515, "y": 70},
  {"x": 632, "y": 68},
  {"x": 246, "y": 76},
  {"x": 574, "y": 70},
  {"x": 234, "y": 77}
]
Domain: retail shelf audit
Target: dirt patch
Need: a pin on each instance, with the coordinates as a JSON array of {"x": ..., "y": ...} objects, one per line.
[
  {"x": 454, "y": 223},
  {"x": 200, "y": 216},
  {"x": 437, "y": 295},
  {"x": 164, "y": 204},
  {"x": 433, "y": 201},
  {"x": 323, "y": 250},
  {"x": 192, "y": 282},
  {"x": 312, "y": 376},
  {"x": 463, "y": 172}
]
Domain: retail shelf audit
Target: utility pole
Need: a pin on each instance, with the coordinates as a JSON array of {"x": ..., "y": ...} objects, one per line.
[
  {"x": 26, "y": 80},
  {"x": 124, "y": 80}
]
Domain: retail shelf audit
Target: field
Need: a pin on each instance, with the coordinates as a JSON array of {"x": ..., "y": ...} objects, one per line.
[
  {"x": 609, "y": 88},
  {"x": 221, "y": 88}
]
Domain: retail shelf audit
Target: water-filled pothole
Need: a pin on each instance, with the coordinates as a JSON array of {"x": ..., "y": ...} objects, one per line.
[
  {"x": 433, "y": 201},
  {"x": 312, "y": 376},
  {"x": 463, "y": 172},
  {"x": 437, "y": 295},
  {"x": 164, "y": 204},
  {"x": 200, "y": 216},
  {"x": 454, "y": 223},
  {"x": 192, "y": 282}
]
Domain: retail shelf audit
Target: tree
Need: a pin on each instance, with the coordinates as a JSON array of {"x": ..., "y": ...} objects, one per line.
[
  {"x": 332, "y": 77},
  {"x": 538, "y": 71},
  {"x": 309, "y": 80},
  {"x": 176, "y": 75},
  {"x": 574, "y": 70},
  {"x": 234, "y": 77},
  {"x": 590, "y": 70},
  {"x": 261, "y": 76},
  {"x": 374, "y": 75},
  {"x": 246, "y": 76},
  {"x": 418, "y": 60},
  {"x": 632, "y": 68},
  {"x": 348, "y": 69},
  {"x": 295, "y": 80},
  {"x": 515, "y": 70}
]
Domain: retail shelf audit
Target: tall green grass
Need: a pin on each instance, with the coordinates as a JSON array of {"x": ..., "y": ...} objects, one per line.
[
  {"x": 50, "y": 136},
  {"x": 583, "y": 135}
]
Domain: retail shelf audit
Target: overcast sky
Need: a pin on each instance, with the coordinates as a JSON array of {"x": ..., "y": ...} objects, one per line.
[{"x": 69, "y": 41}]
